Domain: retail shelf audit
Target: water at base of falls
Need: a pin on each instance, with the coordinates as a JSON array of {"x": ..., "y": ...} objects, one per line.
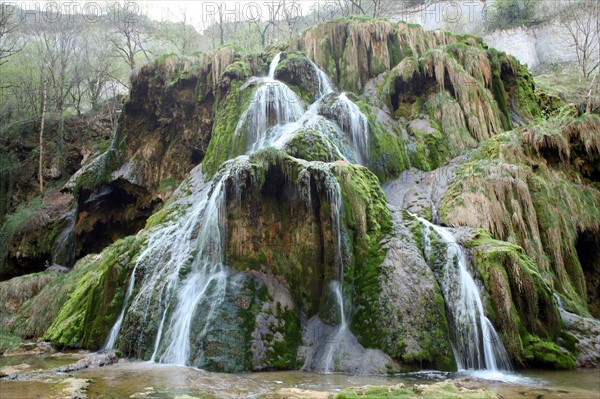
[
  {"x": 476, "y": 343},
  {"x": 182, "y": 268}
]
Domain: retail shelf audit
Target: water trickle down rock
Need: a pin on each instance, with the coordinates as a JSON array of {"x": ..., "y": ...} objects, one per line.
[{"x": 476, "y": 343}]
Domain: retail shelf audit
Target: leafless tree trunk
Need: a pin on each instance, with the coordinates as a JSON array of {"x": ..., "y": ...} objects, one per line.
[
  {"x": 10, "y": 20},
  {"x": 381, "y": 8},
  {"x": 41, "y": 157},
  {"x": 262, "y": 27},
  {"x": 582, "y": 23},
  {"x": 128, "y": 37}
]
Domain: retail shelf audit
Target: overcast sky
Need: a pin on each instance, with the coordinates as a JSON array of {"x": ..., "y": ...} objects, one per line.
[{"x": 198, "y": 13}]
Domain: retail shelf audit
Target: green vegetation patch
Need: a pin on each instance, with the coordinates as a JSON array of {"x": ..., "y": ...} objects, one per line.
[{"x": 96, "y": 299}]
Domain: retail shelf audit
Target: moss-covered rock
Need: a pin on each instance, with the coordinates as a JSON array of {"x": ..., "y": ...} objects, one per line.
[
  {"x": 534, "y": 185},
  {"x": 94, "y": 303},
  {"x": 385, "y": 153},
  {"x": 300, "y": 241},
  {"x": 414, "y": 315},
  {"x": 311, "y": 145},
  {"x": 520, "y": 303},
  {"x": 225, "y": 142},
  {"x": 540, "y": 353},
  {"x": 299, "y": 73}
]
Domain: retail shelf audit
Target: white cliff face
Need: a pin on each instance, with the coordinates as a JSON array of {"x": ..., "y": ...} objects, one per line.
[
  {"x": 547, "y": 43},
  {"x": 519, "y": 42}
]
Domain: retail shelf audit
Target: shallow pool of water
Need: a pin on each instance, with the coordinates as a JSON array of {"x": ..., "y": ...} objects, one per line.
[
  {"x": 42, "y": 362},
  {"x": 140, "y": 379},
  {"x": 135, "y": 379}
]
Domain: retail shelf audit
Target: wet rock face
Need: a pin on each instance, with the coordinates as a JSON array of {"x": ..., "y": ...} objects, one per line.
[
  {"x": 165, "y": 126},
  {"x": 413, "y": 314},
  {"x": 109, "y": 212},
  {"x": 326, "y": 348},
  {"x": 273, "y": 227},
  {"x": 588, "y": 251},
  {"x": 92, "y": 360},
  {"x": 164, "y": 131},
  {"x": 584, "y": 337},
  {"x": 31, "y": 236},
  {"x": 297, "y": 70}
]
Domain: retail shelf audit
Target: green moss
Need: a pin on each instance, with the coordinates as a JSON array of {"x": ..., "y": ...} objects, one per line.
[
  {"x": 434, "y": 391},
  {"x": 518, "y": 84},
  {"x": 367, "y": 219},
  {"x": 311, "y": 146},
  {"x": 388, "y": 156},
  {"x": 538, "y": 196},
  {"x": 96, "y": 172},
  {"x": 297, "y": 71},
  {"x": 283, "y": 355},
  {"x": 168, "y": 213},
  {"x": 520, "y": 302},
  {"x": 92, "y": 307},
  {"x": 225, "y": 142},
  {"x": 167, "y": 185},
  {"x": 542, "y": 353},
  {"x": 431, "y": 150},
  {"x": 239, "y": 70},
  {"x": 8, "y": 340}
]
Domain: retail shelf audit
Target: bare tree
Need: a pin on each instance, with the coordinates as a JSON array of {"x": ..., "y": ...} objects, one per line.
[
  {"x": 56, "y": 44},
  {"x": 41, "y": 140},
  {"x": 291, "y": 14},
  {"x": 10, "y": 20},
  {"x": 129, "y": 36},
  {"x": 381, "y": 8},
  {"x": 96, "y": 69},
  {"x": 181, "y": 34},
  {"x": 582, "y": 22},
  {"x": 263, "y": 26}
]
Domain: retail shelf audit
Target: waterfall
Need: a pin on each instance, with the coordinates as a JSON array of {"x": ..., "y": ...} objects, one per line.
[
  {"x": 116, "y": 328},
  {"x": 325, "y": 86},
  {"x": 334, "y": 195},
  {"x": 273, "y": 66},
  {"x": 354, "y": 122},
  {"x": 64, "y": 251},
  {"x": 182, "y": 270},
  {"x": 559, "y": 302},
  {"x": 273, "y": 104},
  {"x": 476, "y": 343}
]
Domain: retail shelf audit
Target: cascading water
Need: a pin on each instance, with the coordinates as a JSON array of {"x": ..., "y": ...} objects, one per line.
[
  {"x": 334, "y": 196},
  {"x": 476, "y": 343},
  {"x": 354, "y": 122},
  {"x": 273, "y": 66},
  {"x": 273, "y": 104},
  {"x": 182, "y": 265},
  {"x": 64, "y": 252},
  {"x": 325, "y": 86},
  {"x": 113, "y": 335}
]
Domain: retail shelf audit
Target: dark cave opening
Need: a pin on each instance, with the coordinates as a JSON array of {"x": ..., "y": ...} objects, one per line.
[
  {"x": 108, "y": 213},
  {"x": 588, "y": 252}
]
